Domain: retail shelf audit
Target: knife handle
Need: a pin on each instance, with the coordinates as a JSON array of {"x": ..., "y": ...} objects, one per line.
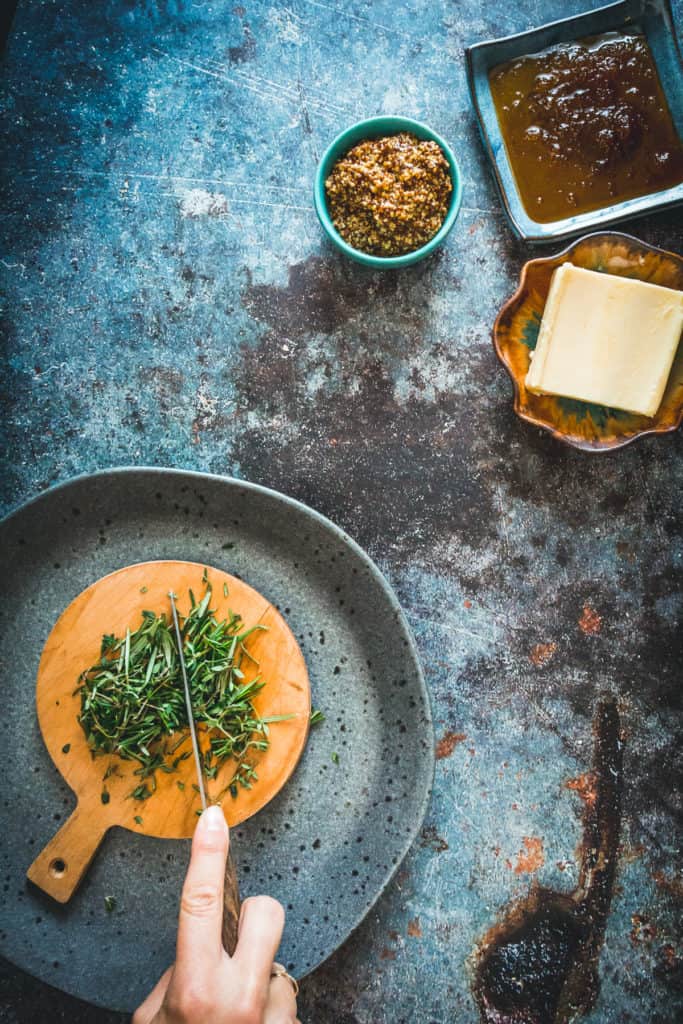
[{"x": 231, "y": 907}]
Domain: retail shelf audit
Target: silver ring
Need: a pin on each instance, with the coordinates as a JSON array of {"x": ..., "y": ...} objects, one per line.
[{"x": 278, "y": 971}]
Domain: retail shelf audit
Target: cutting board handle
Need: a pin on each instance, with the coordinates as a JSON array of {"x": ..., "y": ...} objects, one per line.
[
  {"x": 231, "y": 907},
  {"x": 65, "y": 859}
]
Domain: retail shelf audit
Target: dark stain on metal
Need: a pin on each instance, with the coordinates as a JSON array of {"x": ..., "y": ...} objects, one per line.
[
  {"x": 246, "y": 50},
  {"x": 539, "y": 964},
  {"x": 430, "y": 839},
  {"x": 356, "y": 412},
  {"x": 320, "y": 295}
]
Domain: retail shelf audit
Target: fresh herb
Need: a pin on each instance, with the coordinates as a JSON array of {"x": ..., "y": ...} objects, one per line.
[
  {"x": 66, "y": 748},
  {"x": 133, "y": 705},
  {"x": 143, "y": 791},
  {"x": 138, "y": 819},
  {"x": 143, "y": 590},
  {"x": 180, "y": 785},
  {"x": 316, "y": 717},
  {"x": 335, "y": 757},
  {"x": 225, "y": 590},
  {"x": 110, "y": 903},
  {"x": 104, "y": 796}
]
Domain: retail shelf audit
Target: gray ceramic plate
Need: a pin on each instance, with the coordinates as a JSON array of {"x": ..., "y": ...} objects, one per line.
[{"x": 328, "y": 844}]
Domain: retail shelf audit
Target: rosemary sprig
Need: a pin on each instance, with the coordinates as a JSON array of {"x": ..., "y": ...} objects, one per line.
[{"x": 132, "y": 701}]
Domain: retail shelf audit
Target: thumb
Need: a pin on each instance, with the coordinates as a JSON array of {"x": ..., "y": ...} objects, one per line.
[
  {"x": 146, "y": 1012},
  {"x": 201, "y": 906}
]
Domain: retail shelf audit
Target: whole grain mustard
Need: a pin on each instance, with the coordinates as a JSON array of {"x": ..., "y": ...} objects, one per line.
[{"x": 389, "y": 196}]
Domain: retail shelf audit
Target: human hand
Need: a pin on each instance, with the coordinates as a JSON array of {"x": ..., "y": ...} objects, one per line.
[{"x": 205, "y": 985}]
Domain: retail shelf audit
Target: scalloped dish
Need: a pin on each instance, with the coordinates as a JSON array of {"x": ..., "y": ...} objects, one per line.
[{"x": 582, "y": 424}]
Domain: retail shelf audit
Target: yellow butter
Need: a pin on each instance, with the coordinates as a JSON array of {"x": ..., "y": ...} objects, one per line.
[{"x": 606, "y": 339}]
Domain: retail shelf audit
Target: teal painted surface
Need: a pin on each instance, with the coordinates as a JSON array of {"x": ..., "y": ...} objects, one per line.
[{"x": 169, "y": 298}]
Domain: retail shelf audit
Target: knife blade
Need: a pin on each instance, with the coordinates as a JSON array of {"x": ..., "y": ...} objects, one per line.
[
  {"x": 188, "y": 703},
  {"x": 231, "y": 891}
]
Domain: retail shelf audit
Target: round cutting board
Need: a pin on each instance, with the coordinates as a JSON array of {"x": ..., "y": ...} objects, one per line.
[
  {"x": 103, "y": 785},
  {"x": 327, "y": 844}
]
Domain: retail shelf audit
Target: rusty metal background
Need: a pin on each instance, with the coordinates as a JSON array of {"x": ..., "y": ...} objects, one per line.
[{"x": 170, "y": 300}]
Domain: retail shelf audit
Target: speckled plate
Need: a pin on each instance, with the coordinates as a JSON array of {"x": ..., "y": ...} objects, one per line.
[
  {"x": 330, "y": 841},
  {"x": 582, "y": 424}
]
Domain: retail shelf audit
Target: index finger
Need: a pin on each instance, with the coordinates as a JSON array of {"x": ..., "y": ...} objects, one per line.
[{"x": 201, "y": 906}]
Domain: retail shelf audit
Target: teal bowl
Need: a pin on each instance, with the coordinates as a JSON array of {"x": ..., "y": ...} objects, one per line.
[{"x": 373, "y": 128}]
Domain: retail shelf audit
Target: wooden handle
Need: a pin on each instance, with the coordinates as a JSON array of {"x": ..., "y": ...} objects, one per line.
[
  {"x": 62, "y": 864},
  {"x": 231, "y": 907}
]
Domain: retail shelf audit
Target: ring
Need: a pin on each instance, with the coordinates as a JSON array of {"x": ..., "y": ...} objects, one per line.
[{"x": 278, "y": 971}]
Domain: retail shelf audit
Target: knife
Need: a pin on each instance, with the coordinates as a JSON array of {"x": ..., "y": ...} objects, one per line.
[{"x": 231, "y": 892}]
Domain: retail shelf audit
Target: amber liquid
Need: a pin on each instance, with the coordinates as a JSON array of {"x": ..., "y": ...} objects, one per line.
[{"x": 586, "y": 125}]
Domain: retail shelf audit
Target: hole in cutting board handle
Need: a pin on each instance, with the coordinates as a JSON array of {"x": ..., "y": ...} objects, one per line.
[{"x": 57, "y": 868}]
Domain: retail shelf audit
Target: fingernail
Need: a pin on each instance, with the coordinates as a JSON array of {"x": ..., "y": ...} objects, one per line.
[{"x": 213, "y": 819}]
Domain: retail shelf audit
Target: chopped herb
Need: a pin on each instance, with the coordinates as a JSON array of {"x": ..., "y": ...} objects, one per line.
[
  {"x": 225, "y": 590},
  {"x": 104, "y": 796},
  {"x": 108, "y": 643},
  {"x": 132, "y": 699},
  {"x": 180, "y": 785},
  {"x": 138, "y": 819},
  {"x": 143, "y": 590},
  {"x": 316, "y": 716},
  {"x": 228, "y": 546},
  {"x": 66, "y": 748},
  {"x": 110, "y": 903},
  {"x": 205, "y": 575},
  {"x": 143, "y": 791},
  {"x": 335, "y": 757}
]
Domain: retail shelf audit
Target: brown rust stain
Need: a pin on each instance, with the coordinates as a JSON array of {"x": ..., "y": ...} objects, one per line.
[
  {"x": 415, "y": 928},
  {"x": 539, "y": 963},
  {"x": 642, "y": 930},
  {"x": 624, "y": 550},
  {"x": 541, "y": 654},
  {"x": 447, "y": 744},
  {"x": 590, "y": 622},
  {"x": 671, "y": 961},
  {"x": 671, "y": 885},
  {"x": 531, "y": 857},
  {"x": 586, "y": 787}
]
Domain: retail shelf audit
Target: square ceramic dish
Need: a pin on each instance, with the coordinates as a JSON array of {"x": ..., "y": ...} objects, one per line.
[{"x": 653, "y": 18}]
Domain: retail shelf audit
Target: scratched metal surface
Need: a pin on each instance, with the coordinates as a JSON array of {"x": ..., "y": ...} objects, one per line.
[{"x": 169, "y": 299}]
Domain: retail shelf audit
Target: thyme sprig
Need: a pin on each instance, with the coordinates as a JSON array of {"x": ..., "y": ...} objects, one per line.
[{"x": 132, "y": 700}]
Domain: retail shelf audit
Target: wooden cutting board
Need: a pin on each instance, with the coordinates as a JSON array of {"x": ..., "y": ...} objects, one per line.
[{"x": 110, "y": 606}]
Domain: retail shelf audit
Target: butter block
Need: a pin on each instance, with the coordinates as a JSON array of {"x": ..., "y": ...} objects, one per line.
[{"x": 606, "y": 339}]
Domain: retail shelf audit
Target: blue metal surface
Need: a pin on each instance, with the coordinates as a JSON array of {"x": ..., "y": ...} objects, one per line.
[{"x": 170, "y": 299}]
